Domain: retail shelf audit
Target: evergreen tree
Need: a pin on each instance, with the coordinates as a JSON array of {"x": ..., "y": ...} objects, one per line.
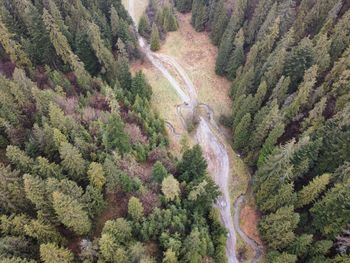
[
  {"x": 71, "y": 213},
  {"x": 155, "y": 40},
  {"x": 278, "y": 228},
  {"x": 13, "y": 48},
  {"x": 114, "y": 137},
  {"x": 135, "y": 209},
  {"x": 242, "y": 133},
  {"x": 183, "y": 6},
  {"x": 19, "y": 158},
  {"x": 170, "y": 256},
  {"x": 159, "y": 172},
  {"x": 329, "y": 217},
  {"x": 144, "y": 27},
  {"x": 170, "y": 188},
  {"x": 310, "y": 192},
  {"x": 96, "y": 175},
  {"x": 43, "y": 232},
  {"x": 219, "y": 23},
  {"x": 72, "y": 161},
  {"x": 64, "y": 50},
  {"x": 51, "y": 253},
  {"x": 237, "y": 56},
  {"x": 11, "y": 187},
  {"x": 192, "y": 166}
]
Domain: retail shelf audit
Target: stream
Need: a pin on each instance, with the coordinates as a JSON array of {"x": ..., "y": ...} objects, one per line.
[{"x": 209, "y": 136}]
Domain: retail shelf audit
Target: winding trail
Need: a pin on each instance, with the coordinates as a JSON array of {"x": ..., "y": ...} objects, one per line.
[{"x": 214, "y": 148}]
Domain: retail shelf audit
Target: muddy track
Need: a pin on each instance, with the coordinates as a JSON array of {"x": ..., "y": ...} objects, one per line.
[
  {"x": 251, "y": 242},
  {"x": 214, "y": 148}
]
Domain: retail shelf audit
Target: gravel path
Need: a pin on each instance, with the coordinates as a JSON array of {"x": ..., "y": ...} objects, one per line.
[{"x": 214, "y": 150}]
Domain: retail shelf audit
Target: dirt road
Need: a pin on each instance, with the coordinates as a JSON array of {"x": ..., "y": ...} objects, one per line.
[{"x": 207, "y": 135}]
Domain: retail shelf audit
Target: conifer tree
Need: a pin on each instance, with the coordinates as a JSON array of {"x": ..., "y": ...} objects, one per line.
[
  {"x": 155, "y": 40},
  {"x": 170, "y": 188},
  {"x": 19, "y": 158},
  {"x": 12, "y": 48},
  {"x": 71, "y": 213},
  {"x": 193, "y": 165},
  {"x": 51, "y": 253},
  {"x": 237, "y": 56},
  {"x": 11, "y": 186},
  {"x": 144, "y": 27},
  {"x": 328, "y": 215},
  {"x": 72, "y": 160},
  {"x": 135, "y": 209},
  {"x": 96, "y": 175},
  {"x": 183, "y": 6},
  {"x": 310, "y": 192},
  {"x": 242, "y": 133},
  {"x": 64, "y": 50},
  {"x": 278, "y": 228},
  {"x": 219, "y": 23},
  {"x": 43, "y": 232},
  {"x": 159, "y": 172},
  {"x": 114, "y": 136}
]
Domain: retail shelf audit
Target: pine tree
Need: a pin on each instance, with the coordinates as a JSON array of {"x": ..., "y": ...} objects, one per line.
[
  {"x": 170, "y": 188},
  {"x": 155, "y": 41},
  {"x": 96, "y": 175},
  {"x": 237, "y": 57},
  {"x": 71, "y": 213},
  {"x": 219, "y": 23},
  {"x": 170, "y": 256},
  {"x": 51, "y": 253},
  {"x": 159, "y": 172},
  {"x": 64, "y": 50},
  {"x": 144, "y": 27},
  {"x": 12, "y": 48},
  {"x": 183, "y": 6},
  {"x": 199, "y": 15},
  {"x": 43, "y": 232},
  {"x": 19, "y": 158},
  {"x": 11, "y": 186},
  {"x": 135, "y": 209},
  {"x": 277, "y": 229},
  {"x": 242, "y": 132},
  {"x": 114, "y": 137},
  {"x": 310, "y": 192},
  {"x": 193, "y": 166},
  {"x": 328, "y": 214},
  {"x": 72, "y": 161},
  {"x": 35, "y": 191},
  {"x": 303, "y": 93}
]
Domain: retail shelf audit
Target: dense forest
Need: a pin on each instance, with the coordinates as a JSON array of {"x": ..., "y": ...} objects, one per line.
[
  {"x": 289, "y": 62},
  {"x": 78, "y": 139}
]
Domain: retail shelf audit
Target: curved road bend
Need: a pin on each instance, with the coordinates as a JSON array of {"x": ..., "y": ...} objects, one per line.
[{"x": 214, "y": 151}]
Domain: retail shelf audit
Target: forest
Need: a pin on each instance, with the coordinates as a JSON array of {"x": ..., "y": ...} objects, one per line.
[
  {"x": 85, "y": 166},
  {"x": 78, "y": 139},
  {"x": 289, "y": 63}
]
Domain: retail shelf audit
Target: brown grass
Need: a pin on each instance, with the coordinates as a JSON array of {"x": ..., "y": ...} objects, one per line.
[
  {"x": 195, "y": 53},
  {"x": 140, "y": 7},
  {"x": 249, "y": 219}
]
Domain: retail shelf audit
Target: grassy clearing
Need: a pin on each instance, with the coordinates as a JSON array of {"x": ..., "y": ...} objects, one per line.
[
  {"x": 140, "y": 7},
  {"x": 196, "y": 54}
]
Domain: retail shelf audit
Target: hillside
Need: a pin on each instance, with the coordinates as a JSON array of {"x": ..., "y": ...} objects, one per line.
[
  {"x": 86, "y": 171},
  {"x": 289, "y": 66}
]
